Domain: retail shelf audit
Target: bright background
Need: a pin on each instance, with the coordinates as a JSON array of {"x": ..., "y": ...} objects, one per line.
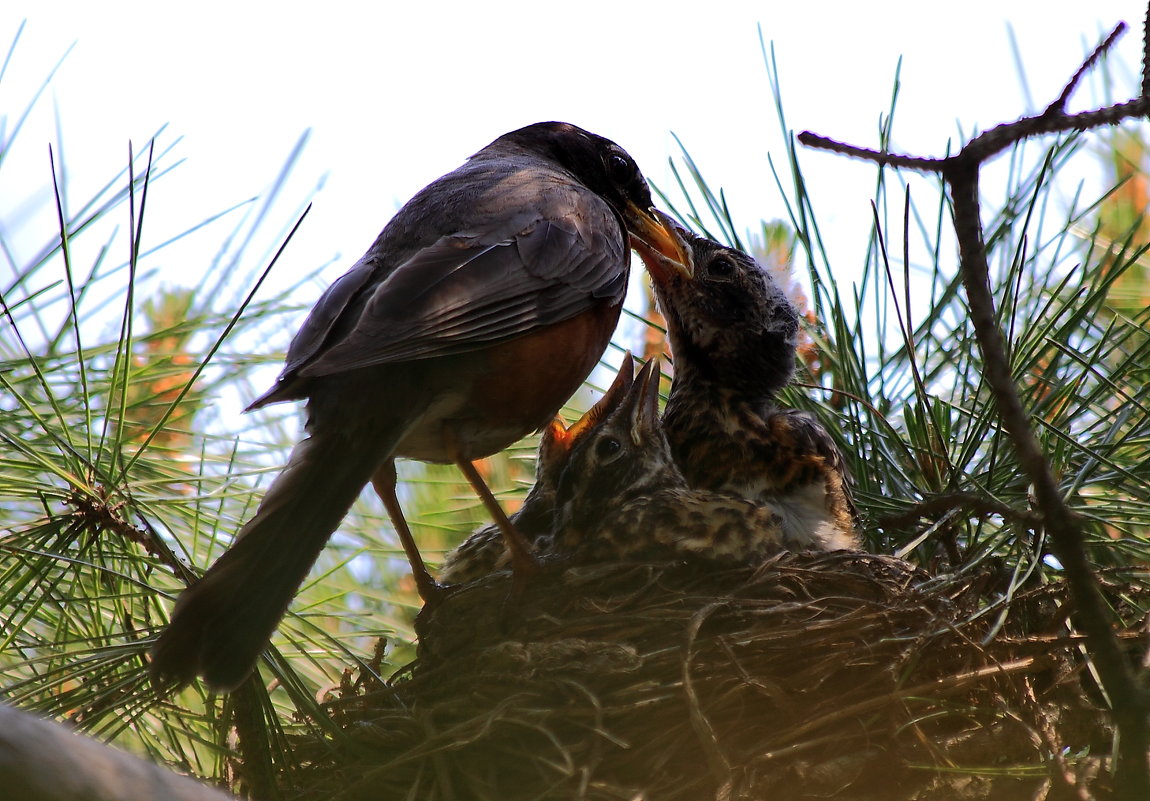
[{"x": 395, "y": 94}]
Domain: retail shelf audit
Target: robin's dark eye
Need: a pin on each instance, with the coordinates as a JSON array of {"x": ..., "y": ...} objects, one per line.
[
  {"x": 607, "y": 447},
  {"x": 721, "y": 267},
  {"x": 621, "y": 169}
]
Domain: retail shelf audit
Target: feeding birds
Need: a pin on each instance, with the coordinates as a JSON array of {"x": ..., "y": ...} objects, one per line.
[
  {"x": 733, "y": 333},
  {"x": 480, "y": 308}
]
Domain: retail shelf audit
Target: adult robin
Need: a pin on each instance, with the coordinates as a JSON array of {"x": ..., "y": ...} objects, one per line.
[
  {"x": 621, "y": 495},
  {"x": 733, "y": 333},
  {"x": 475, "y": 314},
  {"x": 485, "y": 551}
]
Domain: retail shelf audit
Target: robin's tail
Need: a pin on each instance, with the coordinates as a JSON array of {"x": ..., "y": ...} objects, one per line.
[{"x": 222, "y": 623}]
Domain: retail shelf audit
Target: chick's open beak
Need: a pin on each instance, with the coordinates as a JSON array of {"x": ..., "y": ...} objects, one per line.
[
  {"x": 643, "y": 400},
  {"x": 655, "y": 237},
  {"x": 610, "y": 400}
]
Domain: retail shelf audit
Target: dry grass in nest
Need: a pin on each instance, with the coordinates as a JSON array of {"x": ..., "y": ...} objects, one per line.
[{"x": 838, "y": 675}]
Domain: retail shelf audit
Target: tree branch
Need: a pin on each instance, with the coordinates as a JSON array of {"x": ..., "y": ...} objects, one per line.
[
  {"x": 1130, "y": 703},
  {"x": 1146, "y": 54},
  {"x": 1059, "y": 105},
  {"x": 41, "y": 760},
  {"x": 967, "y": 502}
]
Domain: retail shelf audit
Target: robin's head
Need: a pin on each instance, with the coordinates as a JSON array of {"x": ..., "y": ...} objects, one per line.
[
  {"x": 730, "y": 322},
  {"x": 610, "y": 172},
  {"x": 621, "y": 455}
]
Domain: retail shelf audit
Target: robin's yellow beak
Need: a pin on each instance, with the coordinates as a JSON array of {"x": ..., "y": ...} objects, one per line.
[{"x": 655, "y": 237}]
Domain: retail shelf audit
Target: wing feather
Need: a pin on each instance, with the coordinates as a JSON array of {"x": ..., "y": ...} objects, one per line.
[{"x": 463, "y": 293}]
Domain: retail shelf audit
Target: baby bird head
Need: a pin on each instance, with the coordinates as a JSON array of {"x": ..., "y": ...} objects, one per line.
[
  {"x": 620, "y": 456},
  {"x": 730, "y": 323}
]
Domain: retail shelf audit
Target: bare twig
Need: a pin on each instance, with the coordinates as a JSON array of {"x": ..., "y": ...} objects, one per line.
[
  {"x": 259, "y": 770},
  {"x": 1130, "y": 703},
  {"x": 93, "y": 508},
  {"x": 1146, "y": 54},
  {"x": 720, "y": 766},
  {"x": 886, "y": 159},
  {"x": 989, "y": 143},
  {"x": 1071, "y": 788},
  {"x": 969, "y": 502},
  {"x": 1059, "y": 106}
]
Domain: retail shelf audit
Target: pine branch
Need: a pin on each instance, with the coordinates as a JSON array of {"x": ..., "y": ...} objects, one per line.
[{"x": 1130, "y": 703}]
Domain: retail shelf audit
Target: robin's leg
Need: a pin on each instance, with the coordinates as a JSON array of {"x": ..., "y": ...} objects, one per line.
[
  {"x": 522, "y": 562},
  {"x": 384, "y": 483}
]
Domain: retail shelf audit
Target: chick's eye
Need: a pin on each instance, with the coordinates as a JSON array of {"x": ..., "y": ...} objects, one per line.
[
  {"x": 621, "y": 169},
  {"x": 721, "y": 267},
  {"x": 607, "y": 447}
]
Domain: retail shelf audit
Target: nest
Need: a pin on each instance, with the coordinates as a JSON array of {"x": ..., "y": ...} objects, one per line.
[{"x": 840, "y": 675}]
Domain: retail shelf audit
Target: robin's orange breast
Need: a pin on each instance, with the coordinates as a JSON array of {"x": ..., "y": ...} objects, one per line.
[{"x": 516, "y": 387}]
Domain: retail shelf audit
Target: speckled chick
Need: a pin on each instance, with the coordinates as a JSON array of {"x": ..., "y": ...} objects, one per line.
[
  {"x": 621, "y": 495},
  {"x": 485, "y": 551},
  {"x": 733, "y": 333}
]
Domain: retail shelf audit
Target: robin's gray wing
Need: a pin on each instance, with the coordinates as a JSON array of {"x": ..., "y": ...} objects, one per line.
[
  {"x": 317, "y": 329},
  {"x": 322, "y": 319},
  {"x": 465, "y": 292}
]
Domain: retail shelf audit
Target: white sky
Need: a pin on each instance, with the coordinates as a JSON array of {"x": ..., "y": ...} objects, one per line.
[{"x": 398, "y": 93}]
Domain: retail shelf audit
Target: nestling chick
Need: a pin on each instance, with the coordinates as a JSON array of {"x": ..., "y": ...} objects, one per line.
[
  {"x": 733, "y": 333},
  {"x": 620, "y": 495},
  {"x": 485, "y": 551}
]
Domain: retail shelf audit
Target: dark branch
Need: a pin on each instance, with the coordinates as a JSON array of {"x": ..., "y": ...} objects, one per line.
[
  {"x": 1130, "y": 703},
  {"x": 967, "y": 502},
  {"x": 990, "y": 143},
  {"x": 1058, "y": 107},
  {"x": 887, "y": 159},
  {"x": 1146, "y": 54}
]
